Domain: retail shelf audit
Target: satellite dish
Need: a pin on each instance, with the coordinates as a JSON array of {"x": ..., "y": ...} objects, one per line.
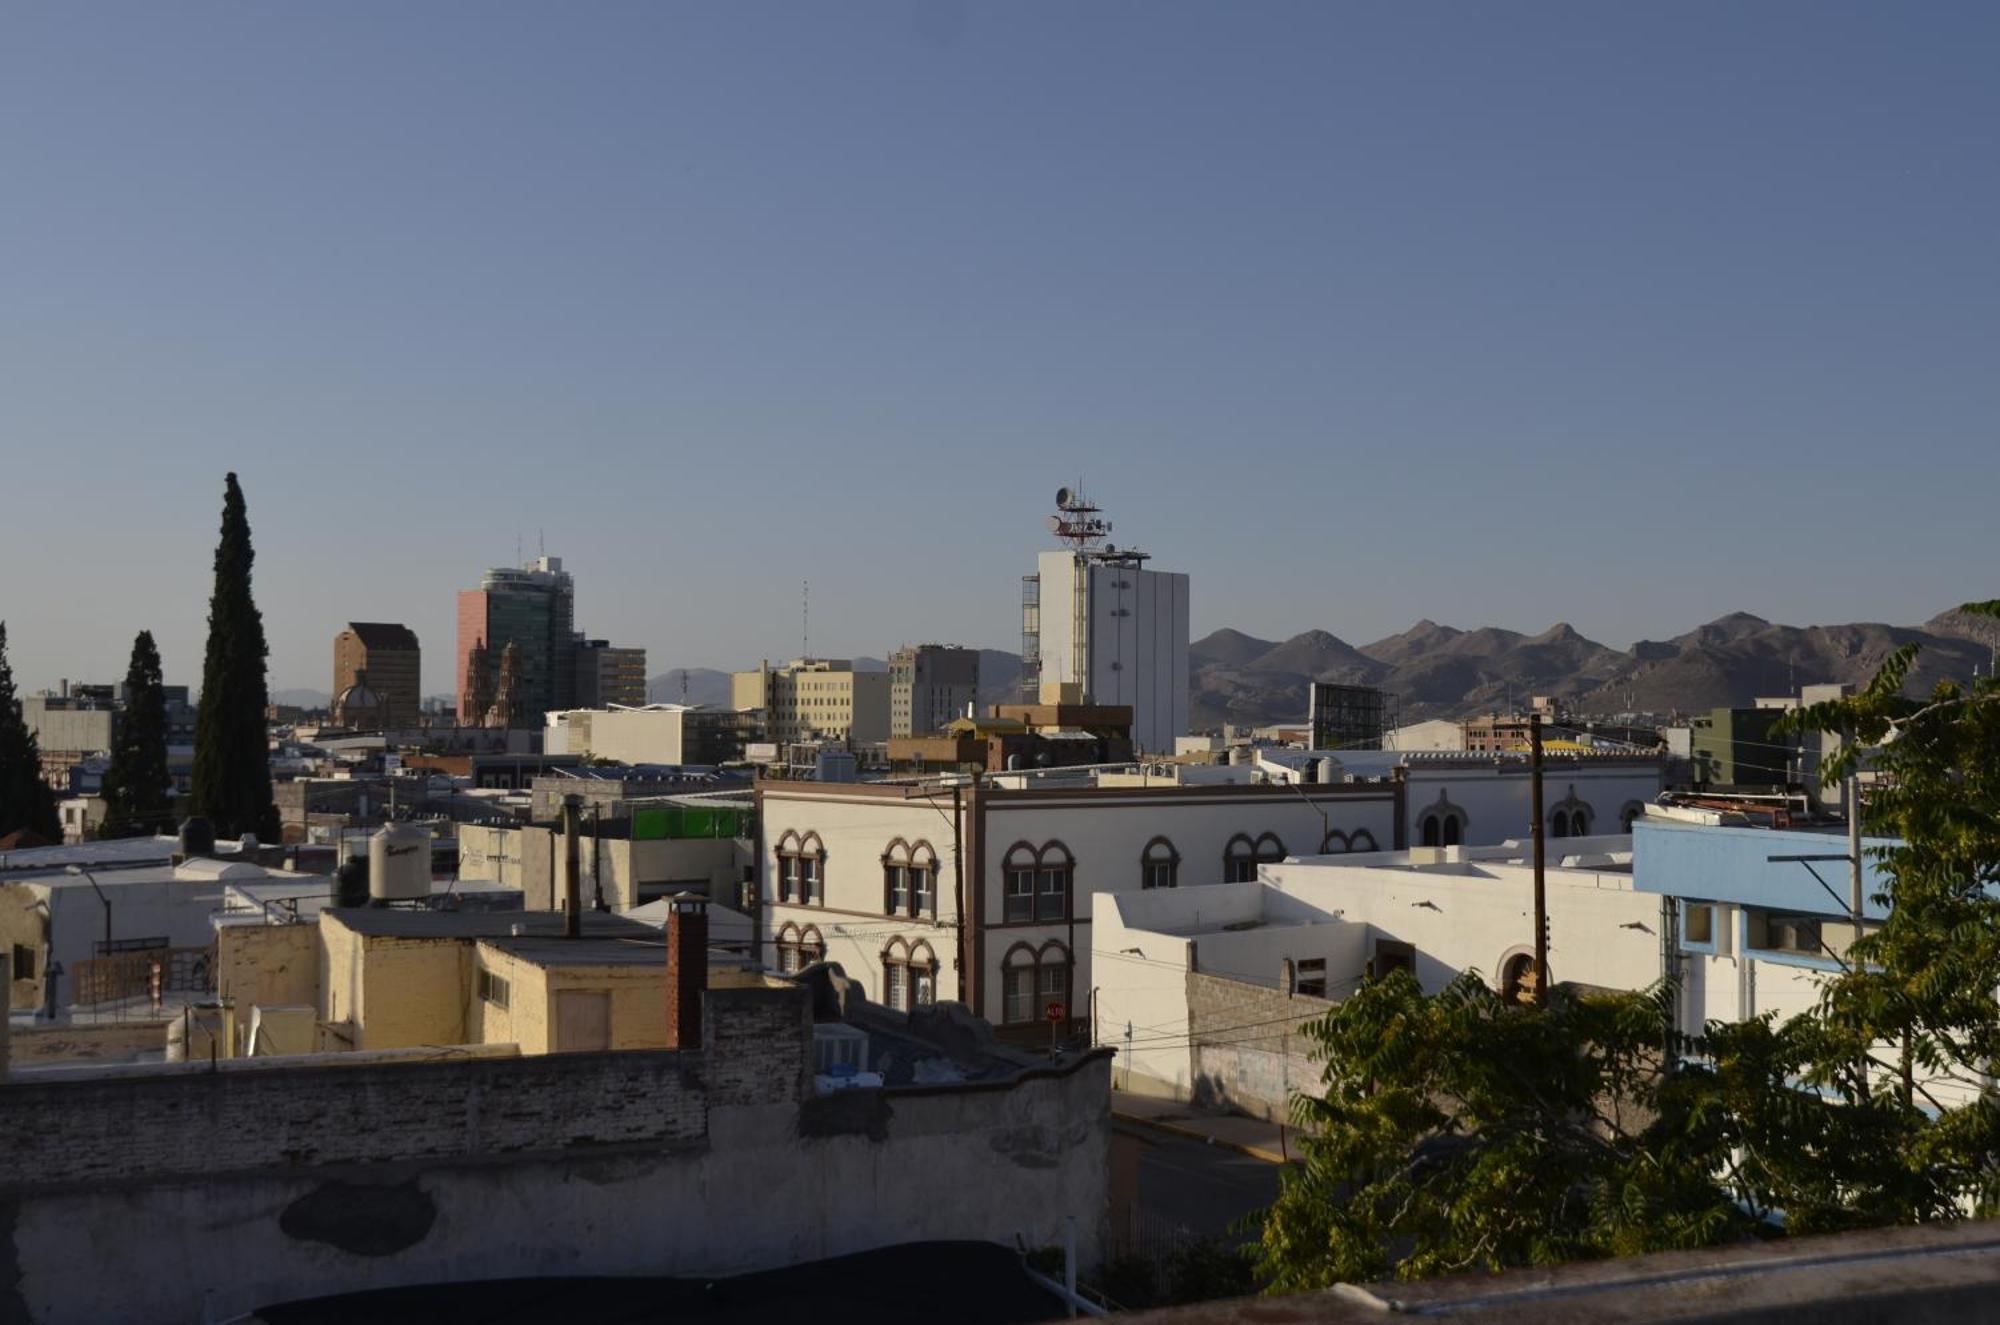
[
  {"x": 1062, "y": 496},
  {"x": 1055, "y": 524}
]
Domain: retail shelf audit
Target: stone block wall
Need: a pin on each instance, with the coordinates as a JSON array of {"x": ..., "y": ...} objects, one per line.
[{"x": 1248, "y": 1054}]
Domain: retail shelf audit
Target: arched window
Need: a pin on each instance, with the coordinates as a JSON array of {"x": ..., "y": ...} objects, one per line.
[
  {"x": 1242, "y": 856},
  {"x": 787, "y": 945},
  {"x": 1334, "y": 843},
  {"x": 812, "y": 864},
  {"x": 790, "y": 878},
  {"x": 896, "y": 975},
  {"x": 801, "y": 865},
  {"x": 1159, "y": 864},
  {"x": 909, "y": 975},
  {"x": 1056, "y": 867},
  {"x": 923, "y": 881},
  {"x": 1038, "y": 881},
  {"x": 1239, "y": 860},
  {"x": 1019, "y": 873},
  {"x": 896, "y": 878},
  {"x": 1571, "y": 817},
  {"x": 1442, "y": 824},
  {"x": 923, "y": 975},
  {"x": 1631, "y": 814},
  {"x": 812, "y": 947},
  {"x": 1363, "y": 840},
  {"x": 1033, "y": 979}
]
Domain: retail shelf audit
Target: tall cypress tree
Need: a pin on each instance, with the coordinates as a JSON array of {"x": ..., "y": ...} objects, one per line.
[
  {"x": 25, "y": 800},
  {"x": 232, "y": 759},
  {"x": 138, "y": 797}
]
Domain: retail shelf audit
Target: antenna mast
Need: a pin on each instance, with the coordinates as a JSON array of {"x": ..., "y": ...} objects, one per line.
[
  {"x": 805, "y": 618},
  {"x": 1082, "y": 527}
]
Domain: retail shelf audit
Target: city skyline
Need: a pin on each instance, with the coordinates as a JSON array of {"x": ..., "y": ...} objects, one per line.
[{"x": 1626, "y": 319}]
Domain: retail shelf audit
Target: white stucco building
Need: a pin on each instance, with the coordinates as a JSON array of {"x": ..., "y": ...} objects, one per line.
[
  {"x": 867, "y": 874},
  {"x": 1305, "y": 932},
  {"x": 1455, "y": 798}
]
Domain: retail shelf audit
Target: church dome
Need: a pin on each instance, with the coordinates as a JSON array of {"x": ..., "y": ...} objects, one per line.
[{"x": 357, "y": 705}]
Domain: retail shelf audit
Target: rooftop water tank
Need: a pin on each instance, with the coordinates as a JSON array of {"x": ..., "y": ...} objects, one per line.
[
  {"x": 1329, "y": 772},
  {"x": 399, "y": 863}
]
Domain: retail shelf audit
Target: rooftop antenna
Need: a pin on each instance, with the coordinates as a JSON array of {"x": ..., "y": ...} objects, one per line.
[
  {"x": 1077, "y": 522},
  {"x": 541, "y": 543},
  {"x": 518, "y": 559},
  {"x": 805, "y": 618}
]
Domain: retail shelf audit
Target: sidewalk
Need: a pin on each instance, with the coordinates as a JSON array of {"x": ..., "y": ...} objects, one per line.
[{"x": 1250, "y": 1136}]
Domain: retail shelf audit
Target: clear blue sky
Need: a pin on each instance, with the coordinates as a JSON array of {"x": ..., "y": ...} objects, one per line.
[{"x": 1493, "y": 313}]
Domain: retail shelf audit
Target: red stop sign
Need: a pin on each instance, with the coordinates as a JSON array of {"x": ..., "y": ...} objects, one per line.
[{"x": 1054, "y": 1012}]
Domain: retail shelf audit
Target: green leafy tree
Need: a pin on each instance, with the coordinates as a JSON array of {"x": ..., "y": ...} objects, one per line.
[
  {"x": 1459, "y": 1131},
  {"x": 232, "y": 763},
  {"x": 1909, "y": 1027},
  {"x": 25, "y": 800},
  {"x": 1462, "y": 1131},
  {"x": 138, "y": 790}
]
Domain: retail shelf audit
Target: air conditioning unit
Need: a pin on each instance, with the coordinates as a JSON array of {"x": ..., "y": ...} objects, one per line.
[{"x": 839, "y": 1050}]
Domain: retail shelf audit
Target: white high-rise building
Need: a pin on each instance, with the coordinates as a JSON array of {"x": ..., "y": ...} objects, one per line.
[{"x": 1099, "y": 628}]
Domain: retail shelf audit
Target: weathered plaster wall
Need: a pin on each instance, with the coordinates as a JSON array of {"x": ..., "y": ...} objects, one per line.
[
  {"x": 268, "y": 965},
  {"x": 24, "y": 923},
  {"x": 248, "y": 1188},
  {"x": 398, "y": 992}
]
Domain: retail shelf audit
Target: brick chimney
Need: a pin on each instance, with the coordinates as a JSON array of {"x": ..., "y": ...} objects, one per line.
[{"x": 687, "y": 969}]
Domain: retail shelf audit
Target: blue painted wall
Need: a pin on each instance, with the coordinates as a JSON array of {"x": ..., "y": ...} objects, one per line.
[{"x": 1732, "y": 865}]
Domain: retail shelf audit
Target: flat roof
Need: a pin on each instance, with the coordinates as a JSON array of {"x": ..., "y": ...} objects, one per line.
[
  {"x": 394, "y": 922},
  {"x": 594, "y": 950},
  {"x": 118, "y": 853}
]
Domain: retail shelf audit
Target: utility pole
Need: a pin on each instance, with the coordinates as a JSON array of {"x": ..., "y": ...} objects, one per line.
[
  {"x": 1854, "y": 898},
  {"x": 1541, "y": 863},
  {"x": 958, "y": 888}
]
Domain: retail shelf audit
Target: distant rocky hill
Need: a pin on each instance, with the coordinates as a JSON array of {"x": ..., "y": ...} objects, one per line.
[
  {"x": 1440, "y": 671},
  {"x": 704, "y": 685}
]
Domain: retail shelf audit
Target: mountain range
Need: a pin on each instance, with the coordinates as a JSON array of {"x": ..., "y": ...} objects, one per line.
[{"x": 1440, "y": 671}]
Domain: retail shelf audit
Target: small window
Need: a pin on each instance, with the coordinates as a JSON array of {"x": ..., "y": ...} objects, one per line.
[
  {"x": 1392, "y": 955},
  {"x": 1312, "y": 977},
  {"x": 812, "y": 895},
  {"x": 923, "y": 883},
  {"x": 1432, "y": 832},
  {"x": 1698, "y": 923},
  {"x": 493, "y": 989},
  {"x": 896, "y": 886},
  {"x": 1782, "y": 933},
  {"x": 1159, "y": 865},
  {"x": 24, "y": 962}
]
